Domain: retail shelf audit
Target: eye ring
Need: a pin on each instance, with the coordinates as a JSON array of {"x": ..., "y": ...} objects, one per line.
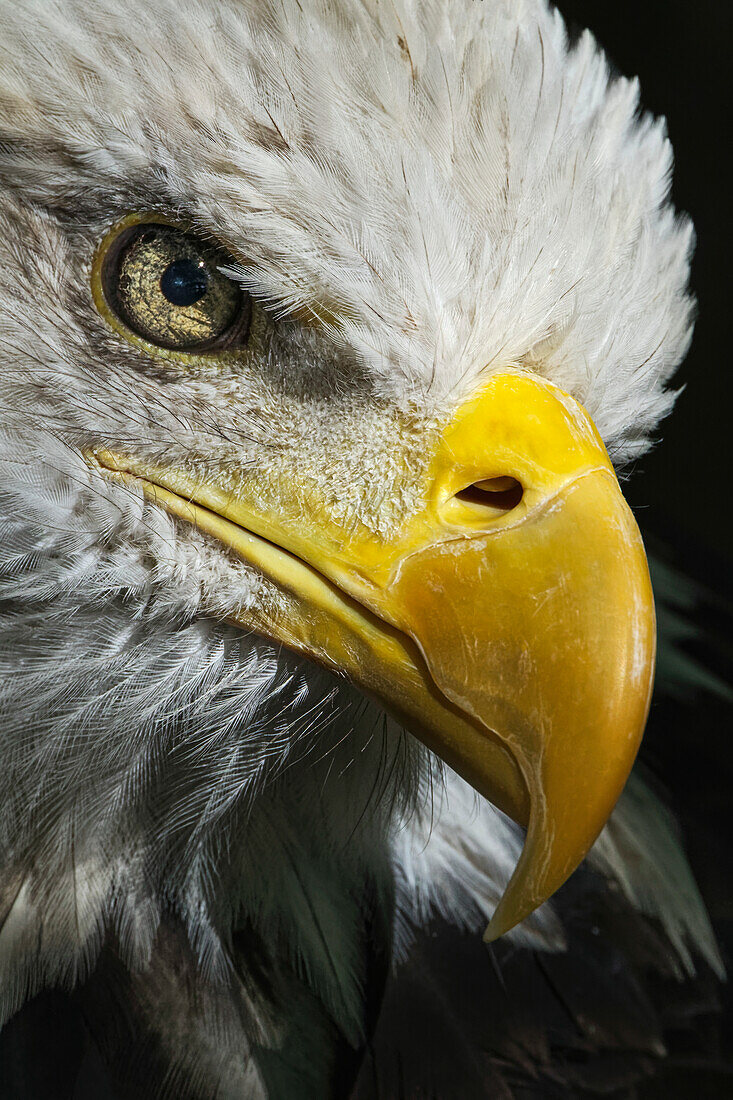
[{"x": 158, "y": 284}]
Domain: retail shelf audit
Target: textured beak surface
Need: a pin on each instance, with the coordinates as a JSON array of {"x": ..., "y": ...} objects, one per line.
[{"x": 509, "y": 623}]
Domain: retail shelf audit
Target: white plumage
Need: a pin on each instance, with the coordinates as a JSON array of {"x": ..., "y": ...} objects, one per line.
[{"x": 418, "y": 194}]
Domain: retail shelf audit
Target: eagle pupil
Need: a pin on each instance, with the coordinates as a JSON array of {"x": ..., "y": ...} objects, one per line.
[{"x": 183, "y": 282}]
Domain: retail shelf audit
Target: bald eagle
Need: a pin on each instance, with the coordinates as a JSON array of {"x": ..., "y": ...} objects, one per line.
[{"x": 328, "y": 636}]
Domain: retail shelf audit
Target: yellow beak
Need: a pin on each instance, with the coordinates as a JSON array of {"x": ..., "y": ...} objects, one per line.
[{"x": 509, "y": 624}]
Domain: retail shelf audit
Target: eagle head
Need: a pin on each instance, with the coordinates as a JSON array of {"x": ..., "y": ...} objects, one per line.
[{"x": 322, "y": 329}]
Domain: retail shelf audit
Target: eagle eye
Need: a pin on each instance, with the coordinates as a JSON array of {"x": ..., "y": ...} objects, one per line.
[{"x": 163, "y": 284}]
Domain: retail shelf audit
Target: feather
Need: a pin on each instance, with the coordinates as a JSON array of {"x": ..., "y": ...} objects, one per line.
[
  {"x": 237, "y": 874},
  {"x": 518, "y": 175}
]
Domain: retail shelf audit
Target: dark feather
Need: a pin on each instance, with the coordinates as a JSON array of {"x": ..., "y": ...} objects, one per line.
[{"x": 463, "y": 1021}]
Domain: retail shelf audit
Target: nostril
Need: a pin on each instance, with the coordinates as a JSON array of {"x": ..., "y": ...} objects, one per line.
[{"x": 496, "y": 493}]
